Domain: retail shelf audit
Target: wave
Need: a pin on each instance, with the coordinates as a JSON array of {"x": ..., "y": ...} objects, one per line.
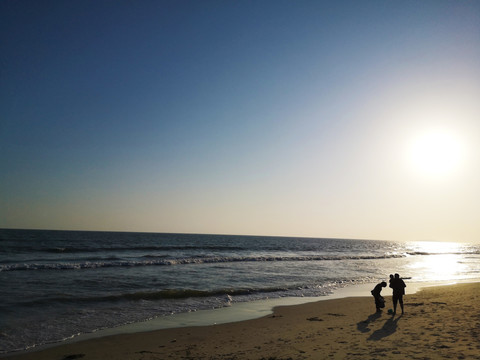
[
  {"x": 165, "y": 294},
  {"x": 73, "y": 249},
  {"x": 183, "y": 261},
  {"x": 421, "y": 253}
]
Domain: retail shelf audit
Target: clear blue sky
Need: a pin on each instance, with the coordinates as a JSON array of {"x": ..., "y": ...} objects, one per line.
[{"x": 241, "y": 117}]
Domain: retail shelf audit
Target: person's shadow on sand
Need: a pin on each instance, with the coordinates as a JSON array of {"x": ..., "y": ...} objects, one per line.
[
  {"x": 362, "y": 326},
  {"x": 387, "y": 329}
]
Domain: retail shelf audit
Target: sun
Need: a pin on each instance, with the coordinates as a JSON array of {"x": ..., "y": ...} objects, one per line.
[{"x": 435, "y": 153}]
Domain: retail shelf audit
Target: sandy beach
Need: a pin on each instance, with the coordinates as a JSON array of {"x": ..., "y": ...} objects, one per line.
[{"x": 439, "y": 323}]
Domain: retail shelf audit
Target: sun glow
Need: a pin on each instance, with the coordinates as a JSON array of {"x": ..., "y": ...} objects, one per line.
[{"x": 435, "y": 153}]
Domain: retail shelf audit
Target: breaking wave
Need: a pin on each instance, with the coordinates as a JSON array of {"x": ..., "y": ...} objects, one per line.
[{"x": 182, "y": 261}]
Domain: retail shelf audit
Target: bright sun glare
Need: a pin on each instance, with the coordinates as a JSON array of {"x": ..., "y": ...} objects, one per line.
[
  {"x": 443, "y": 261},
  {"x": 435, "y": 153}
]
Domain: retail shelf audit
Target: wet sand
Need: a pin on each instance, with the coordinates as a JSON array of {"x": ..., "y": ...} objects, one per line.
[{"x": 439, "y": 323}]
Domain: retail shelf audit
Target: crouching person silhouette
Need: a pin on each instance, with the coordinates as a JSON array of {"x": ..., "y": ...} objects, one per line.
[{"x": 379, "y": 300}]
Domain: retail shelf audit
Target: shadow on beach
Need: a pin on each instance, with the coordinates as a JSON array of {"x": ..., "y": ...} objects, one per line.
[
  {"x": 362, "y": 326},
  {"x": 387, "y": 329}
]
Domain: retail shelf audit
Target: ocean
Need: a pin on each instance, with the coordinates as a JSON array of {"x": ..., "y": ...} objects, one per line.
[{"x": 56, "y": 285}]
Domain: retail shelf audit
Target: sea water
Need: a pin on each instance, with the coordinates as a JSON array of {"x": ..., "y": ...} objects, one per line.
[{"x": 58, "y": 284}]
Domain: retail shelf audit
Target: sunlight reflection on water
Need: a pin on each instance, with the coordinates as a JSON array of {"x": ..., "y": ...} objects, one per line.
[{"x": 445, "y": 261}]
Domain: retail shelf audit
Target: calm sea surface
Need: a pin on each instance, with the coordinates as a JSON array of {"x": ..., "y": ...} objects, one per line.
[{"x": 58, "y": 284}]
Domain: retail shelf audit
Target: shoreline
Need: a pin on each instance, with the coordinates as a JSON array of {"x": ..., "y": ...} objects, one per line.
[
  {"x": 236, "y": 312},
  {"x": 345, "y": 300}
]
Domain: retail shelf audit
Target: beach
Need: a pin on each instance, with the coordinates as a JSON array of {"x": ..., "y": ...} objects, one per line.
[
  {"x": 440, "y": 322},
  {"x": 59, "y": 285}
]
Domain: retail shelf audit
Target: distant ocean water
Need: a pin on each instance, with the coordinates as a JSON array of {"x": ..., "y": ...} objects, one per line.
[{"x": 58, "y": 284}]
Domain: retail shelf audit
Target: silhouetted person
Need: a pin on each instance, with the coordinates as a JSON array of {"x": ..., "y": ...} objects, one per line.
[
  {"x": 379, "y": 300},
  {"x": 390, "y": 281},
  {"x": 398, "y": 286}
]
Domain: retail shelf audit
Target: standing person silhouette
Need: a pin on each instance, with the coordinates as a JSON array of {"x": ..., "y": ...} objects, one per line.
[{"x": 398, "y": 286}]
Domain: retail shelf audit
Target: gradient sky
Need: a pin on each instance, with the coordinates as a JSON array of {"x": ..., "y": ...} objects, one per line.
[{"x": 292, "y": 118}]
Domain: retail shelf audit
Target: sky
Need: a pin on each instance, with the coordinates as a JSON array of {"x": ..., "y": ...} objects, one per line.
[{"x": 343, "y": 119}]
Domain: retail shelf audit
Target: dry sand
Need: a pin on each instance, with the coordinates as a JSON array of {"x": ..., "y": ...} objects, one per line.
[{"x": 439, "y": 323}]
